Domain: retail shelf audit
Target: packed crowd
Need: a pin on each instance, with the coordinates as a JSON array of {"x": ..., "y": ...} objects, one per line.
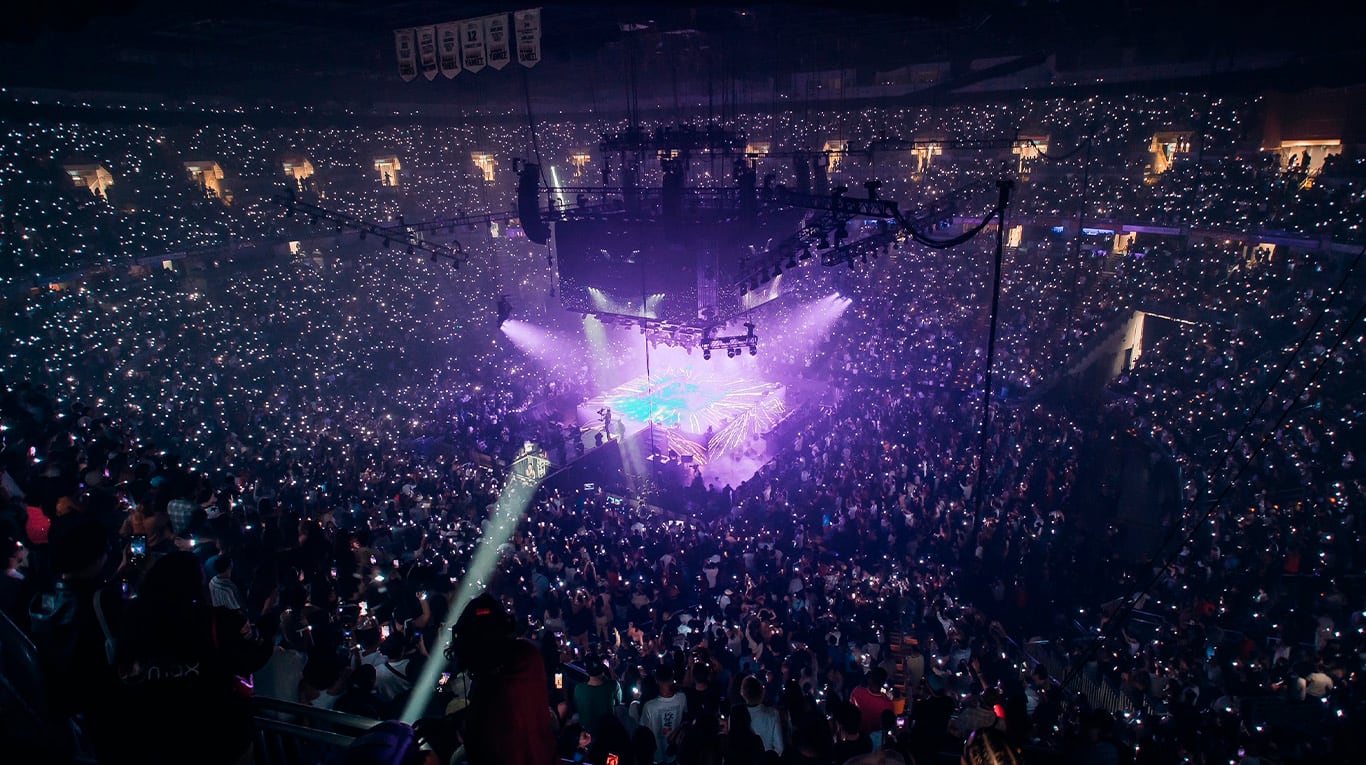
[
  {"x": 270, "y": 480},
  {"x": 154, "y": 206}
]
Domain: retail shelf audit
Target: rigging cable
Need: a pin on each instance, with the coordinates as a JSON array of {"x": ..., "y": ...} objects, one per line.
[{"x": 978, "y": 489}]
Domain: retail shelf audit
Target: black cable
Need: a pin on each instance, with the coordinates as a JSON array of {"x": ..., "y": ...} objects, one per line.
[
  {"x": 943, "y": 244},
  {"x": 1063, "y": 157},
  {"x": 1131, "y": 598},
  {"x": 979, "y": 489}
]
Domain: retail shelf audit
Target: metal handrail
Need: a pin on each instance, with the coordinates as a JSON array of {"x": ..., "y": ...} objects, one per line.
[{"x": 296, "y": 734}]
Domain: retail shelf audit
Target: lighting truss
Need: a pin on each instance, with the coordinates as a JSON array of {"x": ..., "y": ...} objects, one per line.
[
  {"x": 733, "y": 345},
  {"x": 401, "y": 234},
  {"x": 657, "y": 331},
  {"x": 826, "y": 234}
]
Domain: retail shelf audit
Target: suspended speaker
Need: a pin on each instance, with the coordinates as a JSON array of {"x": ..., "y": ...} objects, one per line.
[{"x": 528, "y": 204}]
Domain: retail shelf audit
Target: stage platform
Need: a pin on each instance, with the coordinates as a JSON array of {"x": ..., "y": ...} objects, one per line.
[{"x": 696, "y": 418}]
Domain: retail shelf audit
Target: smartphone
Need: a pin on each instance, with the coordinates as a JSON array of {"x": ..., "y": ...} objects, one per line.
[
  {"x": 559, "y": 681},
  {"x": 137, "y": 545},
  {"x": 384, "y": 632},
  {"x": 612, "y": 759},
  {"x": 901, "y": 721},
  {"x": 445, "y": 678}
]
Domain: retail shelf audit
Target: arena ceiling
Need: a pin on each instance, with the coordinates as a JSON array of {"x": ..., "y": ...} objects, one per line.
[{"x": 330, "y": 50}]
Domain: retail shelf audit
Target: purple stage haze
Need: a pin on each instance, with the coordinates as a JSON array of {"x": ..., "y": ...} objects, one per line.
[{"x": 738, "y": 398}]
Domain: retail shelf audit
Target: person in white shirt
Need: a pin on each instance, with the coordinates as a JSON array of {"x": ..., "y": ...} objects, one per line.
[
  {"x": 663, "y": 714},
  {"x": 763, "y": 719},
  {"x": 282, "y": 676},
  {"x": 222, "y": 590}
]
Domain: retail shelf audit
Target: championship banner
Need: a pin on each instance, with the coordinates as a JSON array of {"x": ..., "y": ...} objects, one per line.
[
  {"x": 448, "y": 49},
  {"x": 426, "y": 49},
  {"x": 528, "y": 36},
  {"x": 473, "y": 56},
  {"x": 496, "y": 33},
  {"x": 407, "y": 54}
]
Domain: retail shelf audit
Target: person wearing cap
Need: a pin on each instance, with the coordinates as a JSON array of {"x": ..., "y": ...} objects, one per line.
[
  {"x": 507, "y": 720},
  {"x": 598, "y": 697}
]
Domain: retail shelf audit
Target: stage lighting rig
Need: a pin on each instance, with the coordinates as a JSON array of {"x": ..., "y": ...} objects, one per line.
[
  {"x": 657, "y": 332},
  {"x": 453, "y": 251},
  {"x": 733, "y": 345},
  {"x": 827, "y": 234},
  {"x": 683, "y": 139}
]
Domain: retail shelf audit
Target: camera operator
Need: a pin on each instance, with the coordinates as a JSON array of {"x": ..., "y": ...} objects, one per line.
[{"x": 508, "y": 716}]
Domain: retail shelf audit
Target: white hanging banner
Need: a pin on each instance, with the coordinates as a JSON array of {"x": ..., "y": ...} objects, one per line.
[
  {"x": 426, "y": 51},
  {"x": 496, "y": 33},
  {"x": 528, "y": 36},
  {"x": 474, "y": 57},
  {"x": 405, "y": 45},
  {"x": 448, "y": 49}
]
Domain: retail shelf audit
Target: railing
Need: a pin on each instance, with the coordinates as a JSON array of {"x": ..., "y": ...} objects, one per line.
[
  {"x": 1098, "y": 692},
  {"x": 294, "y": 734}
]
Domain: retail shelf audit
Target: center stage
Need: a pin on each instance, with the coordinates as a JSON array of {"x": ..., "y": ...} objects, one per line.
[{"x": 706, "y": 422}]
